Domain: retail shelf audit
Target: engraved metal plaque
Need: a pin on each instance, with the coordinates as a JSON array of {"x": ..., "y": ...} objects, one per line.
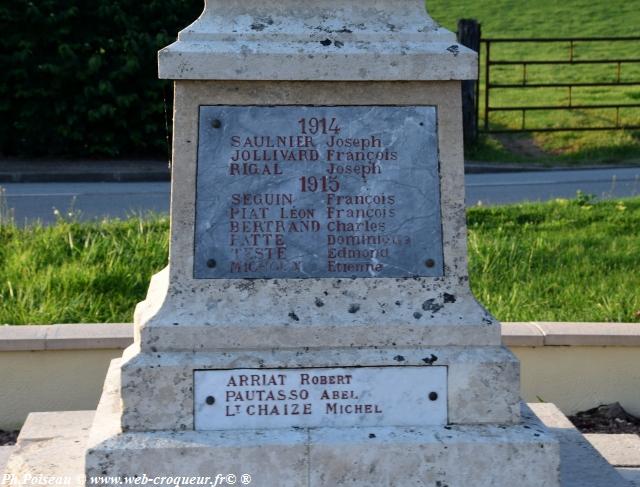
[
  {"x": 317, "y": 191},
  {"x": 320, "y": 397}
]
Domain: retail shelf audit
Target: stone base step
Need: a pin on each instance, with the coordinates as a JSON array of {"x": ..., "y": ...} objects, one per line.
[
  {"x": 619, "y": 450},
  {"x": 622, "y": 451},
  {"x": 50, "y": 446},
  {"x": 522, "y": 454},
  {"x": 5, "y": 452},
  {"x": 581, "y": 465},
  {"x": 631, "y": 474},
  {"x": 53, "y": 445}
]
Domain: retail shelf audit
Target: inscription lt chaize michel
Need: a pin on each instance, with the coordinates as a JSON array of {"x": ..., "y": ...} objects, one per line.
[
  {"x": 313, "y": 397},
  {"x": 295, "y": 192}
]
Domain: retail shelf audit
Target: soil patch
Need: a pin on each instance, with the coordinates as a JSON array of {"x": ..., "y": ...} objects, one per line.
[
  {"x": 609, "y": 418},
  {"x": 522, "y": 146},
  {"x": 8, "y": 437}
]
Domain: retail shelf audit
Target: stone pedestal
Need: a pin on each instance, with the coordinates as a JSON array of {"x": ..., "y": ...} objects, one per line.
[
  {"x": 319, "y": 54},
  {"x": 454, "y": 455}
]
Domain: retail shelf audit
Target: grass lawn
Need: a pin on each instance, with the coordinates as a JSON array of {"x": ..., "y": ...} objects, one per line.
[
  {"x": 544, "y": 18},
  {"x": 561, "y": 261},
  {"x": 79, "y": 272},
  {"x": 567, "y": 260}
]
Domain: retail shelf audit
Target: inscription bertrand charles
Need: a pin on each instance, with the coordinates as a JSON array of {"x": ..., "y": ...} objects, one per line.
[
  {"x": 314, "y": 191},
  {"x": 352, "y": 396}
]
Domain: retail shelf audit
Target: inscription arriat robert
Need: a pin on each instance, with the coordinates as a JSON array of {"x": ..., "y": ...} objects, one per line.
[
  {"x": 279, "y": 380},
  {"x": 314, "y": 397},
  {"x": 252, "y": 394}
]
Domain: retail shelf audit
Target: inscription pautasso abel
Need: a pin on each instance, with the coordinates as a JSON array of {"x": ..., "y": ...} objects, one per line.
[{"x": 349, "y": 396}]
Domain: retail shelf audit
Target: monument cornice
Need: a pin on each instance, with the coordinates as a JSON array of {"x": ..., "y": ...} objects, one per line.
[{"x": 325, "y": 40}]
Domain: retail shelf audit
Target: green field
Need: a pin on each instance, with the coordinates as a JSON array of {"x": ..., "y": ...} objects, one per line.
[
  {"x": 543, "y": 18},
  {"x": 561, "y": 261}
]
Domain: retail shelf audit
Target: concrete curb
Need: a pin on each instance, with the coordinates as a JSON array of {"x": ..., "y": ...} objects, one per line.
[
  {"x": 472, "y": 167},
  {"x": 50, "y": 171},
  {"x": 120, "y": 335},
  {"x": 66, "y": 337},
  {"x": 563, "y": 334}
]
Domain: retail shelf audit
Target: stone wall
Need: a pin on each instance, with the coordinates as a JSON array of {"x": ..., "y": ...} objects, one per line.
[{"x": 574, "y": 365}]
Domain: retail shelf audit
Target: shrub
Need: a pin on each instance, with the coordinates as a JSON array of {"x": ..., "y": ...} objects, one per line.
[{"x": 79, "y": 77}]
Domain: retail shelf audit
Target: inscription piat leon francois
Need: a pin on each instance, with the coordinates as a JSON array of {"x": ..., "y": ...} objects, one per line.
[{"x": 317, "y": 192}]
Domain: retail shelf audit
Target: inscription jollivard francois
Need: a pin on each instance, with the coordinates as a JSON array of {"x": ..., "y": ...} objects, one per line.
[{"x": 296, "y": 191}]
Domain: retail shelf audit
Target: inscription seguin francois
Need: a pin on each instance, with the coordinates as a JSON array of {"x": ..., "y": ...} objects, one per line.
[{"x": 317, "y": 191}]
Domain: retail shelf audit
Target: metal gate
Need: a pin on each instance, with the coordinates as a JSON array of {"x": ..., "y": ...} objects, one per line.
[{"x": 621, "y": 54}]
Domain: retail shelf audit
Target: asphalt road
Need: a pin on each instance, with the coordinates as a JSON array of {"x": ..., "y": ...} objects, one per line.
[
  {"x": 33, "y": 201},
  {"x": 506, "y": 188}
]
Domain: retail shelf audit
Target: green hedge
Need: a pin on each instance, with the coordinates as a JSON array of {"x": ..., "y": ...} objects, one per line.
[{"x": 79, "y": 77}]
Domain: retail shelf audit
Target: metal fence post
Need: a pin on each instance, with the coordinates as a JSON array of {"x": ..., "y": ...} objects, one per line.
[{"x": 469, "y": 36}]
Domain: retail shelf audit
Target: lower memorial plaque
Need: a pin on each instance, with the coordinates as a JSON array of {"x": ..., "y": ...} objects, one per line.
[
  {"x": 317, "y": 191},
  {"x": 317, "y": 397}
]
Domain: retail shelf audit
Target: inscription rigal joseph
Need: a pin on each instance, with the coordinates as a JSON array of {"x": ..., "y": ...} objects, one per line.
[{"x": 298, "y": 192}]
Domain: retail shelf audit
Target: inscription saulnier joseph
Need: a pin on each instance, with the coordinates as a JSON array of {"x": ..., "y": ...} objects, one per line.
[{"x": 309, "y": 191}]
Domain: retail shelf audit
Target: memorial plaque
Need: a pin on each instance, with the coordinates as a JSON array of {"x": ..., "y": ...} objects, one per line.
[
  {"x": 317, "y": 191},
  {"x": 316, "y": 397}
]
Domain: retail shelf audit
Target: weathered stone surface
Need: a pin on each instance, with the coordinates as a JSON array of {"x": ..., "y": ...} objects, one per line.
[
  {"x": 42, "y": 426},
  {"x": 477, "y": 456},
  {"x": 457, "y": 457},
  {"x": 183, "y": 313},
  {"x": 157, "y": 389},
  {"x": 580, "y": 463},
  {"x": 227, "y": 315},
  {"x": 316, "y": 40},
  {"x": 5, "y": 452},
  {"x": 632, "y": 475},
  {"x": 453, "y": 455},
  {"x": 67, "y": 446},
  {"x": 50, "y": 447},
  {"x": 619, "y": 450}
]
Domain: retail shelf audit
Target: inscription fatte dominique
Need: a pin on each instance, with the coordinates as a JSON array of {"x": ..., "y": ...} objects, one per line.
[
  {"x": 317, "y": 192},
  {"x": 351, "y": 396}
]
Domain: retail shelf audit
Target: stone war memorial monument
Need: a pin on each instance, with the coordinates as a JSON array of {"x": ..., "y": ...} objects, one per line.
[{"x": 315, "y": 324}]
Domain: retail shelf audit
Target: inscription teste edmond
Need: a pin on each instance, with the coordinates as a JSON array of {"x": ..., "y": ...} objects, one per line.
[{"x": 317, "y": 191}]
